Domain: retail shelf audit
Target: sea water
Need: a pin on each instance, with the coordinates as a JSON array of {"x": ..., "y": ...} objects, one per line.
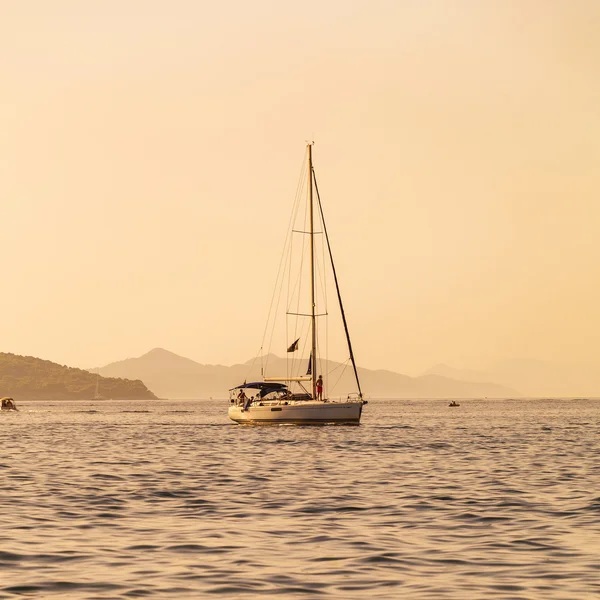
[{"x": 168, "y": 499}]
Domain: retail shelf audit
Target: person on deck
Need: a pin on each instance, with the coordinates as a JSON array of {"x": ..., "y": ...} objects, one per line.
[
  {"x": 320, "y": 388},
  {"x": 241, "y": 397}
]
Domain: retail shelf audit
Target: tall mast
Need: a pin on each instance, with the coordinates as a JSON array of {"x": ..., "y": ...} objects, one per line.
[{"x": 313, "y": 362}]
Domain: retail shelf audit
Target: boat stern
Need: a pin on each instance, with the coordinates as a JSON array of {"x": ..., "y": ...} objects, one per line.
[{"x": 237, "y": 414}]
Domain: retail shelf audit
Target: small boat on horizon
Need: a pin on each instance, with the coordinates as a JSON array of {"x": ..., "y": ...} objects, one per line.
[{"x": 7, "y": 403}]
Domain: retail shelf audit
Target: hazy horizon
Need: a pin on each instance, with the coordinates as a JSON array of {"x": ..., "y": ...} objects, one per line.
[{"x": 151, "y": 152}]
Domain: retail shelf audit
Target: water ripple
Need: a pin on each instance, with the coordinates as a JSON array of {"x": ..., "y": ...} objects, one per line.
[{"x": 164, "y": 499}]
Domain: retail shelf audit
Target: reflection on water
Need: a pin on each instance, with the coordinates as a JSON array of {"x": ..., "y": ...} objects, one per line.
[{"x": 495, "y": 499}]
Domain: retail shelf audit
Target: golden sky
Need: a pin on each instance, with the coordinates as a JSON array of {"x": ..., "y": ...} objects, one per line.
[{"x": 150, "y": 151}]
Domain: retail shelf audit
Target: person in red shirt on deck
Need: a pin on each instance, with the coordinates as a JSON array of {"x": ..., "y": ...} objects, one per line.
[{"x": 320, "y": 388}]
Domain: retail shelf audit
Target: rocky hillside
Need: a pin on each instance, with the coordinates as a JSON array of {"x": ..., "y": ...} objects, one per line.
[{"x": 30, "y": 378}]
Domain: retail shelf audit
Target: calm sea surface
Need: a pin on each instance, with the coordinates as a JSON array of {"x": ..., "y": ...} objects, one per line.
[{"x": 495, "y": 499}]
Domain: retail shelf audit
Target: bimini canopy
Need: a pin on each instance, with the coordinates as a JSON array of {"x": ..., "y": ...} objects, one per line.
[{"x": 264, "y": 387}]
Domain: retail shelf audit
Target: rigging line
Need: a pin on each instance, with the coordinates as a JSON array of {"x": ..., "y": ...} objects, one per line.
[
  {"x": 296, "y": 291},
  {"x": 297, "y": 285},
  {"x": 288, "y": 275},
  {"x": 300, "y": 324},
  {"x": 321, "y": 298},
  {"x": 286, "y": 248},
  {"x": 297, "y": 288},
  {"x": 325, "y": 299},
  {"x": 291, "y": 289},
  {"x": 337, "y": 286},
  {"x": 289, "y": 260},
  {"x": 345, "y": 365},
  {"x": 303, "y": 250},
  {"x": 287, "y": 237},
  {"x": 322, "y": 275},
  {"x": 249, "y": 369},
  {"x": 285, "y": 278},
  {"x": 293, "y": 221},
  {"x": 290, "y": 292},
  {"x": 340, "y": 365},
  {"x": 280, "y": 282},
  {"x": 274, "y": 320}
]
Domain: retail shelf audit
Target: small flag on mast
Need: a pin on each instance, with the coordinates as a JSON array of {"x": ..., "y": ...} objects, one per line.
[{"x": 294, "y": 346}]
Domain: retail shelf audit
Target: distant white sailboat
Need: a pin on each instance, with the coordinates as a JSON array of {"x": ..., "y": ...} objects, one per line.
[{"x": 298, "y": 397}]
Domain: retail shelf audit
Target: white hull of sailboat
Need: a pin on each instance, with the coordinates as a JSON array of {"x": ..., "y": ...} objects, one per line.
[{"x": 312, "y": 412}]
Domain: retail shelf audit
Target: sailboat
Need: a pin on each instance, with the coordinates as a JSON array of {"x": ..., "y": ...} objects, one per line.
[{"x": 299, "y": 397}]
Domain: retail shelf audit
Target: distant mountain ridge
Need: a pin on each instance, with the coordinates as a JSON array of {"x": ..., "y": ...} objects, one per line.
[
  {"x": 174, "y": 376},
  {"x": 31, "y": 378},
  {"x": 533, "y": 377}
]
